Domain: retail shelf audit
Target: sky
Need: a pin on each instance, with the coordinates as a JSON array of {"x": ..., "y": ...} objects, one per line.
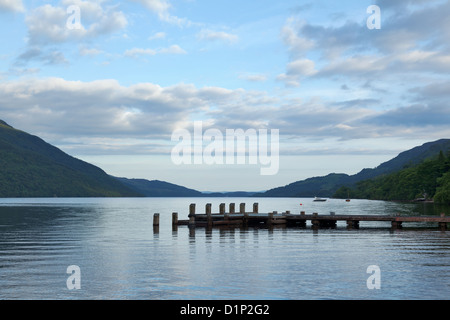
[{"x": 114, "y": 83}]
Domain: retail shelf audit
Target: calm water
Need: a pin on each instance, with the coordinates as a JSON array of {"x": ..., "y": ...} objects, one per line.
[{"x": 121, "y": 256}]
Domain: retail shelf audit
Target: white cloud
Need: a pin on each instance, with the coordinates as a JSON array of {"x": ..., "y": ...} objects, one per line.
[
  {"x": 147, "y": 113},
  {"x": 11, "y": 5},
  {"x": 297, "y": 70},
  {"x": 158, "y": 6},
  {"x": 253, "y": 77},
  {"x": 47, "y": 24},
  {"x": 161, "y": 8},
  {"x": 84, "y": 51},
  {"x": 210, "y": 35},
  {"x": 158, "y": 35},
  {"x": 135, "y": 52}
]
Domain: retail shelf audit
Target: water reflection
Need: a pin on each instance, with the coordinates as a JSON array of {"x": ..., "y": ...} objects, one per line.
[{"x": 122, "y": 255}]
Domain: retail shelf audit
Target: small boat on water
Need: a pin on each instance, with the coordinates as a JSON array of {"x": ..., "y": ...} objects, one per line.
[{"x": 316, "y": 199}]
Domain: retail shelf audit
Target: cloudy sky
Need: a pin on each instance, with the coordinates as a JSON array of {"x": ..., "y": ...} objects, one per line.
[{"x": 112, "y": 89}]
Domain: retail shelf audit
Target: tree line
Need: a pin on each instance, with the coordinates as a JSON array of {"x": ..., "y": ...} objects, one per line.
[{"x": 428, "y": 180}]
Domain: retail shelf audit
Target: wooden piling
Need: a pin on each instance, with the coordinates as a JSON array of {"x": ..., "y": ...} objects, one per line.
[
  {"x": 222, "y": 208},
  {"x": 270, "y": 218},
  {"x": 242, "y": 208},
  {"x": 232, "y": 208},
  {"x": 192, "y": 215},
  {"x": 174, "y": 218},
  {"x": 352, "y": 224},
  {"x": 255, "y": 207},
  {"x": 396, "y": 224},
  {"x": 208, "y": 214},
  {"x": 315, "y": 222},
  {"x": 156, "y": 219},
  {"x": 442, "y": 225}
]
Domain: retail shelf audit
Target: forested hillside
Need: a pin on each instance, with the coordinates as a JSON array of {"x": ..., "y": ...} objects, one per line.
[
  {"x": 30, "y": 167},
  {"x": 430, "y": 179}
]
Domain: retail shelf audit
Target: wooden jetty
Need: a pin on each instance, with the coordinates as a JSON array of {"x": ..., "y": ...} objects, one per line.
[{"x": 242, "y": 218}]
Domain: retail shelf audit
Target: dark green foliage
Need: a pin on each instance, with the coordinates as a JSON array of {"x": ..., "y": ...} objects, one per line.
[
  {"x": 428, "y": 179},
  {"x": 317, "y": 186},
  {"x": 30, "y": 167},
  {"x": 443, "y": 190},
  {"x": 328, "y": 186}
]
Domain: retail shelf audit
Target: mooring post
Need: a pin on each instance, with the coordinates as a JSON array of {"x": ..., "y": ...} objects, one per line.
[
  {"x": 232, "y": 208},
  {"x": 208, "y": 214},
  {"x": 156, "y": 219},
  {"x": 192, "y": 214},
  {"x": 174, "y": 221},
  {"x": 442, "y": 225},
  {"x": 174, "y": 218},
  {"x": 396, "y": 224},
  {"x": 352, "y": 224},
  {"x": 222, "y": 208},
  {"x": 315, "y": 222},
  {"x": 255, "y": 207},
  {"x": 156, "y": 223},
  {"x": 242, "y": 211},
  {"x": 269, "y": 218}
]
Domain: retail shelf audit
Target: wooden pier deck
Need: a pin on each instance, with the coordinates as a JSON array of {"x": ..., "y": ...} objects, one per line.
[{"x": 254, "y": 218}]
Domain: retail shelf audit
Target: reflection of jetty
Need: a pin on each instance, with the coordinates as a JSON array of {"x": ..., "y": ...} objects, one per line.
[{"x": 241, "y": 218}]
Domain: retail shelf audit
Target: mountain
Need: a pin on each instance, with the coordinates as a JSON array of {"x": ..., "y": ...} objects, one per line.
[
  {"x": 430, "y": 179},
  {"x": 326, "y": 186},
  {"x": 156, "y": 188},
  {"x": 30, "y": 167}
]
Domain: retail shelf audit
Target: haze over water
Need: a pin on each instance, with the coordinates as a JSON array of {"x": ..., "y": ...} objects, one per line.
[{"x": 121, "y": 255}]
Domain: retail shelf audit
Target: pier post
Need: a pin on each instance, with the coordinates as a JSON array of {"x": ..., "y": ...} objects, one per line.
[
  {"x": 156, "y": 223},
  {"x": 352, "y": 224},
  {"x": 442, "y": 225},
  {"x": 232, "y": 208},
  {"x": 174, "y": 218},
  {"x": 255, "y": 207},
  {"x": 222, "y": 208},
  {"x": 156, "y": 220},
  {"x": 396, "y": 224},
  {"x": 242, "y": 208},
  {"x": 192, "y": 215},
  {"x": 269, "y": 218},
  {"x": 208, "y": 214},
  {"x": 315, "y": 223},
  {"x": 302, "y": 223}
]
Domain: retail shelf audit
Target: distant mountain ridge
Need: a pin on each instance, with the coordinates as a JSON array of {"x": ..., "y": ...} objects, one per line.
[
  {"x": 156, "y": 188},
  {"x": 30, "y": 167},
  {"x": 326, "y": 186}
]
